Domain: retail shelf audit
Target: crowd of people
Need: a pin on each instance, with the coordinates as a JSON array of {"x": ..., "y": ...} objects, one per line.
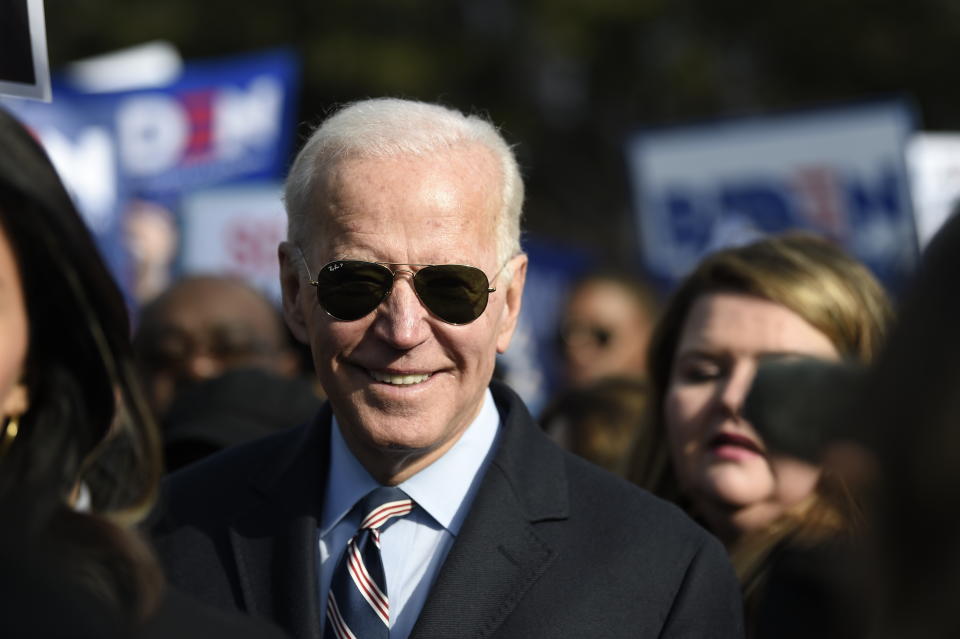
[{"x": 406, "y": 493}]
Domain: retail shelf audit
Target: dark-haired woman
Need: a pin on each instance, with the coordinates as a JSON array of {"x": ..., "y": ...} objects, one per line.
[{"x": 79, "y": 454}]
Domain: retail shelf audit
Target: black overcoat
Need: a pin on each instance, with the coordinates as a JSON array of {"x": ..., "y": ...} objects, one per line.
[{"x": 552, "y": 546}]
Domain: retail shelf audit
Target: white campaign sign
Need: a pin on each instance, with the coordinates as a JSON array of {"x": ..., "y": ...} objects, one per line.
[
  {"x": 934, "y": 160},
  {"x": 235, "y": 230}
]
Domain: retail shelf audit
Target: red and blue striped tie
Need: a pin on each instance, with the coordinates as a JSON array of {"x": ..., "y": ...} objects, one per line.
[{"x": 357, "y": 604}]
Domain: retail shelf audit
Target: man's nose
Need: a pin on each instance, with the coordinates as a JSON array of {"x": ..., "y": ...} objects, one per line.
[{"x": 401, "y": 318}]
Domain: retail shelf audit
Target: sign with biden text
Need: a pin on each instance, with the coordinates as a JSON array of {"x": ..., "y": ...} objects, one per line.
[
  {"x": 225, "y": 121},
  {"x": 838, "y": 172},
  {"x": 221, "y": 121}
]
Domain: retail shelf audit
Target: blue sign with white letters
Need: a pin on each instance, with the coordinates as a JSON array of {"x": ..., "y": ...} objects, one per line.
[
  {"x": 837, "y": 172},
  {"x": 85, "y": 156},
  {"x": 222, "y": 121}
]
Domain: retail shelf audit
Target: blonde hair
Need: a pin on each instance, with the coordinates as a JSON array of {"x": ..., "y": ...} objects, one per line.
[{"x": 831, "y": 291}]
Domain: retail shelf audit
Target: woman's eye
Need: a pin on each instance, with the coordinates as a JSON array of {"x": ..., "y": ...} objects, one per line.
[{"x": 700, "y": 373}]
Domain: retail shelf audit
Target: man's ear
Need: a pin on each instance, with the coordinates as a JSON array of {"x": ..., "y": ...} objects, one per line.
[
  {"x": 16, "y": 402},
  {"x": 293, "y": 285},
  {"x": 513, "y": 296}
]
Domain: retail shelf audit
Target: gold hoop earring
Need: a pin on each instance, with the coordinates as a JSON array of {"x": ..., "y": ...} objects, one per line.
[{"x": 10, "y": 431}]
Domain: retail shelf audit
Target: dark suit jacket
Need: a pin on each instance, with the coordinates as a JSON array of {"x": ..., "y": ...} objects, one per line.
[
  {"x": 182, "y": 617},
  {"x": 552, "y": 546}
]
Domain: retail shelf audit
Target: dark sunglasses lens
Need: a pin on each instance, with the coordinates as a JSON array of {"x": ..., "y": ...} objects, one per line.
[
  {"x": 454, "y": 293},
  {"x": 349, "y": 290}
]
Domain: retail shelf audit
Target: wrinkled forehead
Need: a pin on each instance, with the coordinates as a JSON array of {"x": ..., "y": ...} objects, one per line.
[{"x": 448, "y": 196}]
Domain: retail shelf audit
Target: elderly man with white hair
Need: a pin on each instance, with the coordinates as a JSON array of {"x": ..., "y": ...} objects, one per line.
[{"x": 422, "y": 501}]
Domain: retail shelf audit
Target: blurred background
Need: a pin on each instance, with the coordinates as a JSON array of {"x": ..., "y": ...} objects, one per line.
[
  {"x": 566, "y": 79},
  {"x": 648, "y": 131}
]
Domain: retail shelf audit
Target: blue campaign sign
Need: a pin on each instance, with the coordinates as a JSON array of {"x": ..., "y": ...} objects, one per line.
[
  {"x": 85, "y": 156},
  {"x": 24, "y": 69},
  {"x": 221, "y": 121},
  {"x": 838, "y": 172}
]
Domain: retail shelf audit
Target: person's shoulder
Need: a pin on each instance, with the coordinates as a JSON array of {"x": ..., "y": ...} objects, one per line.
[
  {"x": 611, "y": 505},
  {"x": 601, "y": 504},
  {"x": 222, "y": 482},
  {"x": 224, "y": 467},
  {"x": 187, "y": 618},
  {"x": 652, "y": 549}
]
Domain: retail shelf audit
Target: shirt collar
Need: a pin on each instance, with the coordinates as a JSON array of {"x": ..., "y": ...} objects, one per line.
[
  {"x": 440, "y": 489},
  {"x": 347, "y": 482}
]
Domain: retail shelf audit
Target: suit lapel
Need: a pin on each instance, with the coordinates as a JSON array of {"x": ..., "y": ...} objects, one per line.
[
  {"x": 496, "y": 557},
  {"x": 499, "y": 554},
  {"x": 274, "y": 541}
]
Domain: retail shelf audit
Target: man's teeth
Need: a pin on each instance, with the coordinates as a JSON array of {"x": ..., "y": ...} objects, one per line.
[{"x": 399, "y": 379}]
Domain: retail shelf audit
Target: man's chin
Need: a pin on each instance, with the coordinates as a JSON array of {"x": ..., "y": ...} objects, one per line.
[
  {"x": 391, "y": 461},
  {"x": 401, "y": 445},
  {"x": 403, "y": 449},
  {"x": 391, "y": 435}
]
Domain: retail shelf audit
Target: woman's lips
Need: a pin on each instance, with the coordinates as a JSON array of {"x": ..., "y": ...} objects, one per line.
[{"x": 734, "y": 446}]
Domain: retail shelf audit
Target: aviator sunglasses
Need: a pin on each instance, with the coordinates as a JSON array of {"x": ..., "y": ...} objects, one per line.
[{"x": 350, "y": 289}]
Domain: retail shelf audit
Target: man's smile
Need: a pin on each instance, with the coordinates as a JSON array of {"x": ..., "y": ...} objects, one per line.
[{"x": 399, "y": 379}]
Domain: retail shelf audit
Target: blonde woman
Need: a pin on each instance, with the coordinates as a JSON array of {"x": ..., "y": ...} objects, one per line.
[{"x": 794, "y": 295}]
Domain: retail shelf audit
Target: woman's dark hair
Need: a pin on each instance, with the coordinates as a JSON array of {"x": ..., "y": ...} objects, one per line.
[
  {"x": 911, "y": 407},
  {"x": 86, "y": 423}
]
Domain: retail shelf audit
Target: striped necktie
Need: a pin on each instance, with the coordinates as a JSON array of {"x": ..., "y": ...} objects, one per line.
[{"x": 357, "y": 605}]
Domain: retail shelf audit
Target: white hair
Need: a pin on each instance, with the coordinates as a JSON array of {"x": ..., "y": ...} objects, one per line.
[{"x": 387, "y": 127}]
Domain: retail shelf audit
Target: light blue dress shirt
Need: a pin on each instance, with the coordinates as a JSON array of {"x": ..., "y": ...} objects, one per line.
[{"x": 413, "y": 548}]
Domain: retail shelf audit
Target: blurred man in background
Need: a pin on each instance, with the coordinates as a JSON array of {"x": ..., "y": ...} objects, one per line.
[{"x": 218, "y": 367}]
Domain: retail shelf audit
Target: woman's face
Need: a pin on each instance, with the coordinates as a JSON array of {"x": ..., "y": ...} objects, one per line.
[
  {"x": 720, "y": 461},
  {"x": 13, "y": 333},
  {"x": 605, "y": 333}
]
